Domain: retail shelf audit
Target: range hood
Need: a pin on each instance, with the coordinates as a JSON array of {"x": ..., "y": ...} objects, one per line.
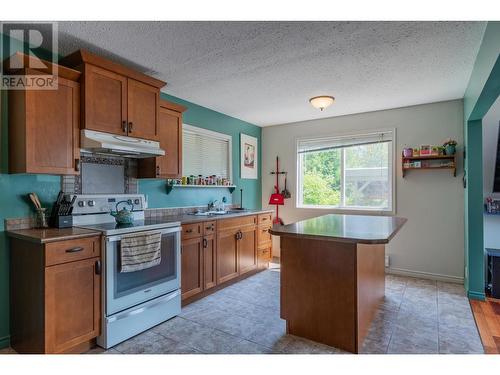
[{"x": 112, "y": 144}]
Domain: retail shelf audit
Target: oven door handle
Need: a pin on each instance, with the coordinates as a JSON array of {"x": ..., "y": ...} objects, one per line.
[{"x": 162, "y": 231}]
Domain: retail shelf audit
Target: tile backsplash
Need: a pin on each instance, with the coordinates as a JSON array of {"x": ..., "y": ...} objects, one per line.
[{"x": 103, "y": 174}]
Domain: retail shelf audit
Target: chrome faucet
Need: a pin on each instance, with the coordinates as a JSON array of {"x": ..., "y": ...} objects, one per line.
[{"x": 211, "y": 205}]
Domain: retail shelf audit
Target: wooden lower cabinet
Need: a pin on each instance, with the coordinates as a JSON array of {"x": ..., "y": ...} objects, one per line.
[
  {"x": 227, "y": 255},
  {"x": 192, "y": 267},
  {"x": 72, "y": 305},
  {"x": 247, "y": 249},
  {"x": 263, "y": 257},
  {"x": 55, "y": 295},
  {"x": 215, "y": 252},
  {"x": 209, "y": 261}
]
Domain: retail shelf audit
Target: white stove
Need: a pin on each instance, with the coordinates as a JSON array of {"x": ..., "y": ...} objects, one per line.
[{"x": 133, "y": 301}]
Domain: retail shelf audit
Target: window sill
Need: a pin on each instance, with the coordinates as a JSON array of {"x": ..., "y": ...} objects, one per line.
[{"x": 350, "y": 211}]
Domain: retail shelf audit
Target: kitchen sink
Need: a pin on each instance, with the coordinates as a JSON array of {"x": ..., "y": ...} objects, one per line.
[{"x": 213, "y": 213}]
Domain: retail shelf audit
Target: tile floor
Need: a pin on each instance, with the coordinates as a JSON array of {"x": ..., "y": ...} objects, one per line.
[{"x": 417, "y": 316}]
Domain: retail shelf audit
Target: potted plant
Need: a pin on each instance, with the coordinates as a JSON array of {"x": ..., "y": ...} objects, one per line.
[{"x": 450, "y": 146}]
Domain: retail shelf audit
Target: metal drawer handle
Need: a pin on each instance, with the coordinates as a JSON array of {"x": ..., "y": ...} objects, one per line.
[
  {"x": 189, "y": 231},
  {"x": 124, "y": 126},
  {"x": 205, "y": 243},
  {"x": 74, "y": 249},
  {"x": 130, "y": 126},
  {"x": 98, "y": 267}
]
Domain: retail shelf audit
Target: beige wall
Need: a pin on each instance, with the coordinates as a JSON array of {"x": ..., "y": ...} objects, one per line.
[{"x": 432, "y": 242}]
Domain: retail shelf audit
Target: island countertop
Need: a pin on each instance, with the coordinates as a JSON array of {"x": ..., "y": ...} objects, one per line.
[{"x": 344, "y": 228}]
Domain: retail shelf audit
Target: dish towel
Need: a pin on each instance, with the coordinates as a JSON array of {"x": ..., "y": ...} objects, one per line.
[{"x": 140, "y": 251}]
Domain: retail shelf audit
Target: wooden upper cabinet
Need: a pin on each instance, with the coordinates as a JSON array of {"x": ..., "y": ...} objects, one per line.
[
  {"x": 170, "y": 136},
  {"x": 117, "y": 99},
  {"x": 105, "y": 101},
  {"x": 44, "y": 128},
  {"x": 142, "y": 106}
]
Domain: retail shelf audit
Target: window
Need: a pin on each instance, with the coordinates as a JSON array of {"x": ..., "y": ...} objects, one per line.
[
  {"x": 348, "y": 172},
  {"x": 205, "y": 152}
]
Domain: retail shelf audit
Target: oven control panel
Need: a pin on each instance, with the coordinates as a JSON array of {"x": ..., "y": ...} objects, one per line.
[{"x": 95, "y": 204}]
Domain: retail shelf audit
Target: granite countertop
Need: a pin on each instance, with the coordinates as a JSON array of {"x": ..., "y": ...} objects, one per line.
[
  {"x": 56, "y": 234},
  {"x": 189, "y": 219},
  {"x": 51, "y": 234},
  {"x": 344, "y": 228}
]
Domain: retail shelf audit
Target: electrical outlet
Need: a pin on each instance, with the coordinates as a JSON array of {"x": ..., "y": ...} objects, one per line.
[{"x": 387, "y": 260}]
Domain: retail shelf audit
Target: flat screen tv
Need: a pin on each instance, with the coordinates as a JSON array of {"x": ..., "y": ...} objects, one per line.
[{"x": 496, "y": 181}]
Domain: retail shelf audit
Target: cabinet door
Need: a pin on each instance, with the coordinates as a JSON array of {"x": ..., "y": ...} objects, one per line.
[
  {"x": 192, "y": 267},
  {"x": 209, "y": 261},
  {"x": 72, "y": 304},
  {"x": 52, "y": 129},
  {"x": 105, "y": 101},
  {"x": 142, "y": 109},
  {"x": 247, "y": 248},
  {"x": 227, "y": 255},
  {"x": 170, "y": 132}
]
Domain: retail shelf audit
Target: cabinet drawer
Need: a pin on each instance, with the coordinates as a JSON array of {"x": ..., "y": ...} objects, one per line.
[
  {"x": 72, "y": 250},
  {"x": 264, "y": 254},
  {"x": 263, "y": 236},
  {"x": 209, "y": 227},
  {"x": 265, "y": 219},
  {"x": 237, "y": 222},
  {"x": 191, "y": 230}
]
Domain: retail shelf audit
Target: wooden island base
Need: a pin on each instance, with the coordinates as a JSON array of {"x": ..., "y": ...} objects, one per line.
[{"x": 331, "y": 290}]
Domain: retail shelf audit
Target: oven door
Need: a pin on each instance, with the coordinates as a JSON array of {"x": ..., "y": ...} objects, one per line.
[{"x": 124, "y": 290}]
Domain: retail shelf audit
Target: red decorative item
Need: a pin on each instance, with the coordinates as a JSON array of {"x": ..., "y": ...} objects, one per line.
[{"x": 276, "y": 198}]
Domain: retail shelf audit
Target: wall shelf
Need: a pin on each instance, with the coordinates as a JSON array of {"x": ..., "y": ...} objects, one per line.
[
  {"x": 430, "y": 159},
  {"x": 169, "y": 187}
]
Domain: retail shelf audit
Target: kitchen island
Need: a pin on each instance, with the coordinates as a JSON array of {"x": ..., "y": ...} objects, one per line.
[{"x": 333, "y": 276}]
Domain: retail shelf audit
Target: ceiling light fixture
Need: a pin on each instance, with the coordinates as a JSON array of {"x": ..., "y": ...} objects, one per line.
[{"x": 321, "y": 102}]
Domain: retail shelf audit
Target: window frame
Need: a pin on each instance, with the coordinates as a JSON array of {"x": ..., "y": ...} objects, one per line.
[
  {"x": 349, "y": 209},
  {"x": 213, "y": 134}
]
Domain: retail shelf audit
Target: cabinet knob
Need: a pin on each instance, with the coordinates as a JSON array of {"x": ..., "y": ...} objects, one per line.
[{"x": 157, "y": 170}]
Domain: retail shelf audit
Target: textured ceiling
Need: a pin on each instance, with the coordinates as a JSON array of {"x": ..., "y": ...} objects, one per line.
[{"x": 265, "y": 72}]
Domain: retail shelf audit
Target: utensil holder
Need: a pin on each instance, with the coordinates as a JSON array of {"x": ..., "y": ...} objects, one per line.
[{"x": 40, "y": 218}]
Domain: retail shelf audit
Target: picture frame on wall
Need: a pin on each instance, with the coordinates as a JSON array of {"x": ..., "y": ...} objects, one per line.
[{"x": 248, "y": 157}]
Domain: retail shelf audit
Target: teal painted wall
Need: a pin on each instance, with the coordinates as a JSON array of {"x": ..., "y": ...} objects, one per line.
[
  {"x": 208, "y": 119},
  {"x": 13, "y": 188},
  {"x": 482, "y": 91}
]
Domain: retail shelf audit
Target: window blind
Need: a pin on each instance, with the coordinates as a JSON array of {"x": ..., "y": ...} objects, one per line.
[
  {"x": 204, "y": 154},
  {"x": 331, "y": 143}
]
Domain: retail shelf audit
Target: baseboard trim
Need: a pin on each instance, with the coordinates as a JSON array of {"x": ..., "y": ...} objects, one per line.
[
  {"x": 4, "y": 342},
  {"x": 476, "y": 295},
  {"x": 425, "y": 275}
]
